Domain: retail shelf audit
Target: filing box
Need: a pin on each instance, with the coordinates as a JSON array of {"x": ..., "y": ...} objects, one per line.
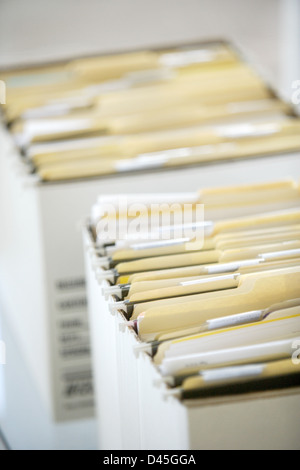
[
  {"x": 143, "y": 414},
  {"x": 42, "y": 288}
]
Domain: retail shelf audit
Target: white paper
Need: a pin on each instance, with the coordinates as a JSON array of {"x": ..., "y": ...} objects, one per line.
[
  {"x": 134, "y": 164},
  {"x": 210, "y": 280},
  {"x": 65, "y": 145},
  {"x": 228, "y": 373},
  {"x": 237, "y": 131},
  {"x": 280, "y": 254},
  {"x": 161, "y": 157},
  {"x": 230, "y": 267},
  {"x": 233, "y": 320},
  {"x": 52, "y": 126},
  {"x": 244, "y": 106},
  {"x": 251, "y": 333},
  {"x": 280, "y": 348},
  {"x": 158, "y": 244}
]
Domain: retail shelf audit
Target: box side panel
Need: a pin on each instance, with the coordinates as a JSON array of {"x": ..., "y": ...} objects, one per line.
[
  {"x": 261, "y": 423},
  {"x": 104, "y": 365},
  {"x": 128, "y": 383},
  {"x": 164, "y": 422},
  {"x": 72, "y": 384},
  {"x": 22, "y": 272}
]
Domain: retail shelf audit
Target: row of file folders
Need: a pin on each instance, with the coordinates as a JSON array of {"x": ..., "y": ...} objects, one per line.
[
  {"x": 204, "y": 284},
  {"x": 215, "y": 302},
  {"x": 147, "y": 109}
]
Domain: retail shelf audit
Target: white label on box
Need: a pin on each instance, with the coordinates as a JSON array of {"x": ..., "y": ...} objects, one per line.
[{"x": 73, "y": 374}]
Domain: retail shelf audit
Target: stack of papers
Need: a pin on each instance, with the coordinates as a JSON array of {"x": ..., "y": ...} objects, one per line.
[
  {"x": 145, "y": 109},
  {"x": 213, "y": 299}
]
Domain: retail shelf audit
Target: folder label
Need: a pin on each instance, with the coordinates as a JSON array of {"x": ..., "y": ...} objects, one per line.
[
  {"x": 221, "y": 374},
  {"x": 159, "y": 244},
  {"x": 229, "y": 267},
  {"x": 248, "y": 130},
  {"x": 231, "y": 320},
  {"x": 216, "y": 279},
  {"x": 180, "y": 59},
  {"x": 184, "y": 152},
  {"x": 247, "y": 106}
]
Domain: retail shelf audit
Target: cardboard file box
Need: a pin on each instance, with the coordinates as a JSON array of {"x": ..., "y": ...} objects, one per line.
[
  {"x": 42, "y": 277},
  {"x": 134, "y": 410}
]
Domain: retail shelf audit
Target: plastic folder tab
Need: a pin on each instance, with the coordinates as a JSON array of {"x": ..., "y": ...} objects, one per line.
[{"x": 143, "y": 110}]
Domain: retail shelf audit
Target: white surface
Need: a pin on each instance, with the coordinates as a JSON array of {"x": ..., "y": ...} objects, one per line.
[
  {"x": 39, "y": 30},
  {"x": 24, "y": 420}
]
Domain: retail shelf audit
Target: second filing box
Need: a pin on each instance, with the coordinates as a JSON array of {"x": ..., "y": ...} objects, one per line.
[{"x": 144, "y": 412}]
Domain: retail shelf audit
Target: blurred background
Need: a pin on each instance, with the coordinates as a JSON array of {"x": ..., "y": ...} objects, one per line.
[{"x": 37, "y": 31}]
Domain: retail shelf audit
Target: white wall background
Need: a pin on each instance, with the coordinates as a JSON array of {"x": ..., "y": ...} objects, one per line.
[
  {"x": 43, "y": 30},
  {"x": 37, "y": 30}
]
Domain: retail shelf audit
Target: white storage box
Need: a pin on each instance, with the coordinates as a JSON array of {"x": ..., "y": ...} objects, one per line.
[
  {"x": 42, "y": 268},
  {"x": 42, "y": 288},
  {"x": 136, "y": 411}
]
